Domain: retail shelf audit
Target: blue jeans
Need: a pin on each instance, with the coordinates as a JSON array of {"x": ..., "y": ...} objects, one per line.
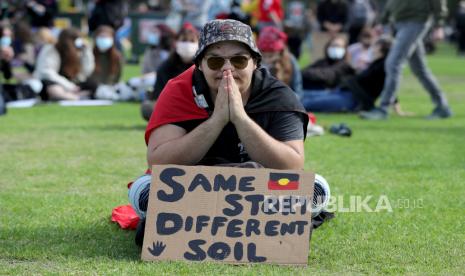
[
  {"x": 336, "y": 100},
  {"x": 408, "y": 46}
]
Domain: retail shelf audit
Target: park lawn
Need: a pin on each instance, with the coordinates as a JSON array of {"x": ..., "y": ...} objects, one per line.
[{"x": 64, "y": 169}]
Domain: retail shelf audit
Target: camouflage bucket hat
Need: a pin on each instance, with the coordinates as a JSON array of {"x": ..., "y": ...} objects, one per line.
[{"x": 226, "y": 30}]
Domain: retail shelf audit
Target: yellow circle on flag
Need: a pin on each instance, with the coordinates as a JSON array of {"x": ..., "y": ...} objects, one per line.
[{"x": 283, "y": 181}]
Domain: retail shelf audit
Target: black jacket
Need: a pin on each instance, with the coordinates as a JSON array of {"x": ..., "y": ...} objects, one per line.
[
  {"x": 172, "y": 67},
  {"x": 325, "y": 73},
  {"x": 368, "y": 85}
]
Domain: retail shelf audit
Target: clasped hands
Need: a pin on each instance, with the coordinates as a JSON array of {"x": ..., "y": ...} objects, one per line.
[{"x": 229, "y": 106}]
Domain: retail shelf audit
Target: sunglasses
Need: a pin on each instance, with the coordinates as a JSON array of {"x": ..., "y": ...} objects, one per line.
[{"x": 239, "y": 62}]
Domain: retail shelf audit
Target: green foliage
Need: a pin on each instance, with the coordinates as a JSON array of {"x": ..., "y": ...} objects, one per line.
[{"x": 64, "y": 169}]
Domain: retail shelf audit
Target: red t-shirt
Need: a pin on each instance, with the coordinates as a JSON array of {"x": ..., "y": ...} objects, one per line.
[{"x": 268, "y": 6}]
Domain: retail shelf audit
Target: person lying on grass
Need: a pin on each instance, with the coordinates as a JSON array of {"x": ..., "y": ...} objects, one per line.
[{"x": 225, "y": 110}]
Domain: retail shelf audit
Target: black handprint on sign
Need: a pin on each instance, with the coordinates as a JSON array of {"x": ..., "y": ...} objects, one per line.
[{"x": 157, "y": 248}]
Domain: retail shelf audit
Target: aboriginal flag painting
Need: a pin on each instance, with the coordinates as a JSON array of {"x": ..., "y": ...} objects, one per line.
[{"x": 283, "y": 181}]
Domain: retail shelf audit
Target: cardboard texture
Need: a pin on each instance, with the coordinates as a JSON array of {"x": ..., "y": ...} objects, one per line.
[{"x": 199, "y": 213}]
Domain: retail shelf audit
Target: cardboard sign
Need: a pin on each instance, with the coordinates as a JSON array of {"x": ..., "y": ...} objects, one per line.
[{"x": 232, "y": 215}]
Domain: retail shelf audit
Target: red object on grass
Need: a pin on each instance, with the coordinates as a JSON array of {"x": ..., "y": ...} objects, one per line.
[
  {"x": 125, "y": 216},
  {"x": 312, "y": 117}
]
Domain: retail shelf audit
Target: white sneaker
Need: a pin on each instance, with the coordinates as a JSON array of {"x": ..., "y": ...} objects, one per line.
[
  {"x": 314, "y": 130},
  {"x": 106, "y": 92}
]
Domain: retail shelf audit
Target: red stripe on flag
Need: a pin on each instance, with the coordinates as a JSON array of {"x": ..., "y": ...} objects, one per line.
[{"x": 274, "y": 185}]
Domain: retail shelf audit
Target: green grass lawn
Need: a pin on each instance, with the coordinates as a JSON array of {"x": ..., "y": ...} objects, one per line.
[{"x": 64, "y": 169}]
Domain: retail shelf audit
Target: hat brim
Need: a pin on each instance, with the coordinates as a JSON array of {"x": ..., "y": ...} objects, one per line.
[{"x": 228, "y": 38}]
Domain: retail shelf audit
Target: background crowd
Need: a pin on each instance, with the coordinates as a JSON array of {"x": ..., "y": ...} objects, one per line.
[{"x": 347, "y": 40}]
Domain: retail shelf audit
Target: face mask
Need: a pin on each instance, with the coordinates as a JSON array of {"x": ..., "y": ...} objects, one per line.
[
  {"x": 5, "y": 41},
  {"x": 153, "y": 39},
  {"x": 336, "y": 53},
  {"x": 103, "y": 43},
  {"x": 186, "y": 49},
  {"x": 79, "y": 43}
]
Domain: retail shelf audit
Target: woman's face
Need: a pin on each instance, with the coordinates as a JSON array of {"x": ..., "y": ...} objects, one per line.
[
  {"x": 227, "y": 50},
  {"x": 338, "y": 42},
  {"x": 7, "y": 32},
  {"x": 186, "y": 47},
  {"x": 6, "y": 40},
  {"x": 366, "y": 39},
  {"x": 336, "y": 49},
  {"x": 270, "y": 58},
  {"x": 104, "y": 41},
  {"x": 105, "y": 34},
  {"x": 188, "y": 37}
]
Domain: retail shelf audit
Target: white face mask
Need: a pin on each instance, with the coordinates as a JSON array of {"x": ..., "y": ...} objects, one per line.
[
  {"x": 186, "y": 49},
  {"x": 79, "y": 43},
  {"x": 336, "y": 53},
  {"x": 5, "y": 41},
  {"x": 103, "y": 43}
]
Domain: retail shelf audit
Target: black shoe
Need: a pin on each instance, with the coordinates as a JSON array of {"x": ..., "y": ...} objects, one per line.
[
  {"x": 440, "y": 113},
  {"x": 321, "y": 218},
  {"x": 140, "y": 232},
  {"x": 341, "y": 130},
  {"x": 375, "y": 114}
]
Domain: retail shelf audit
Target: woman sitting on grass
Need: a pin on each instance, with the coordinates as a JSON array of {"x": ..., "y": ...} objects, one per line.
[
  {"x": 64, "y": 68},
  {"x": 108, "y": 60},
  {"x": 358, "y": 92},
  {"x": 180, "y": 60},
  {"x": 328, "y": 72},
  {"x": 276, "y": 57},
  {"x": 160, "y": 40},
  {"x": 6, "y": 57}
]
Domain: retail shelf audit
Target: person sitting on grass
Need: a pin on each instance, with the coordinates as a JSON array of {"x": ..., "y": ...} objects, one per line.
[
  {"x": 180, "y": 59},
  {"x": 276, "y": 57},
  {"x": 6, "y": 57},
  {"x": 328, "y": 72},
  {"x": 357, "y": 92},
  {"x": 361, "y": 53},
  {"x": 108, "y": 59},
  {"x": 225, "y": 110},
  {"x": 160, "y": 40},
  {"x": 64, "y": 68}
]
